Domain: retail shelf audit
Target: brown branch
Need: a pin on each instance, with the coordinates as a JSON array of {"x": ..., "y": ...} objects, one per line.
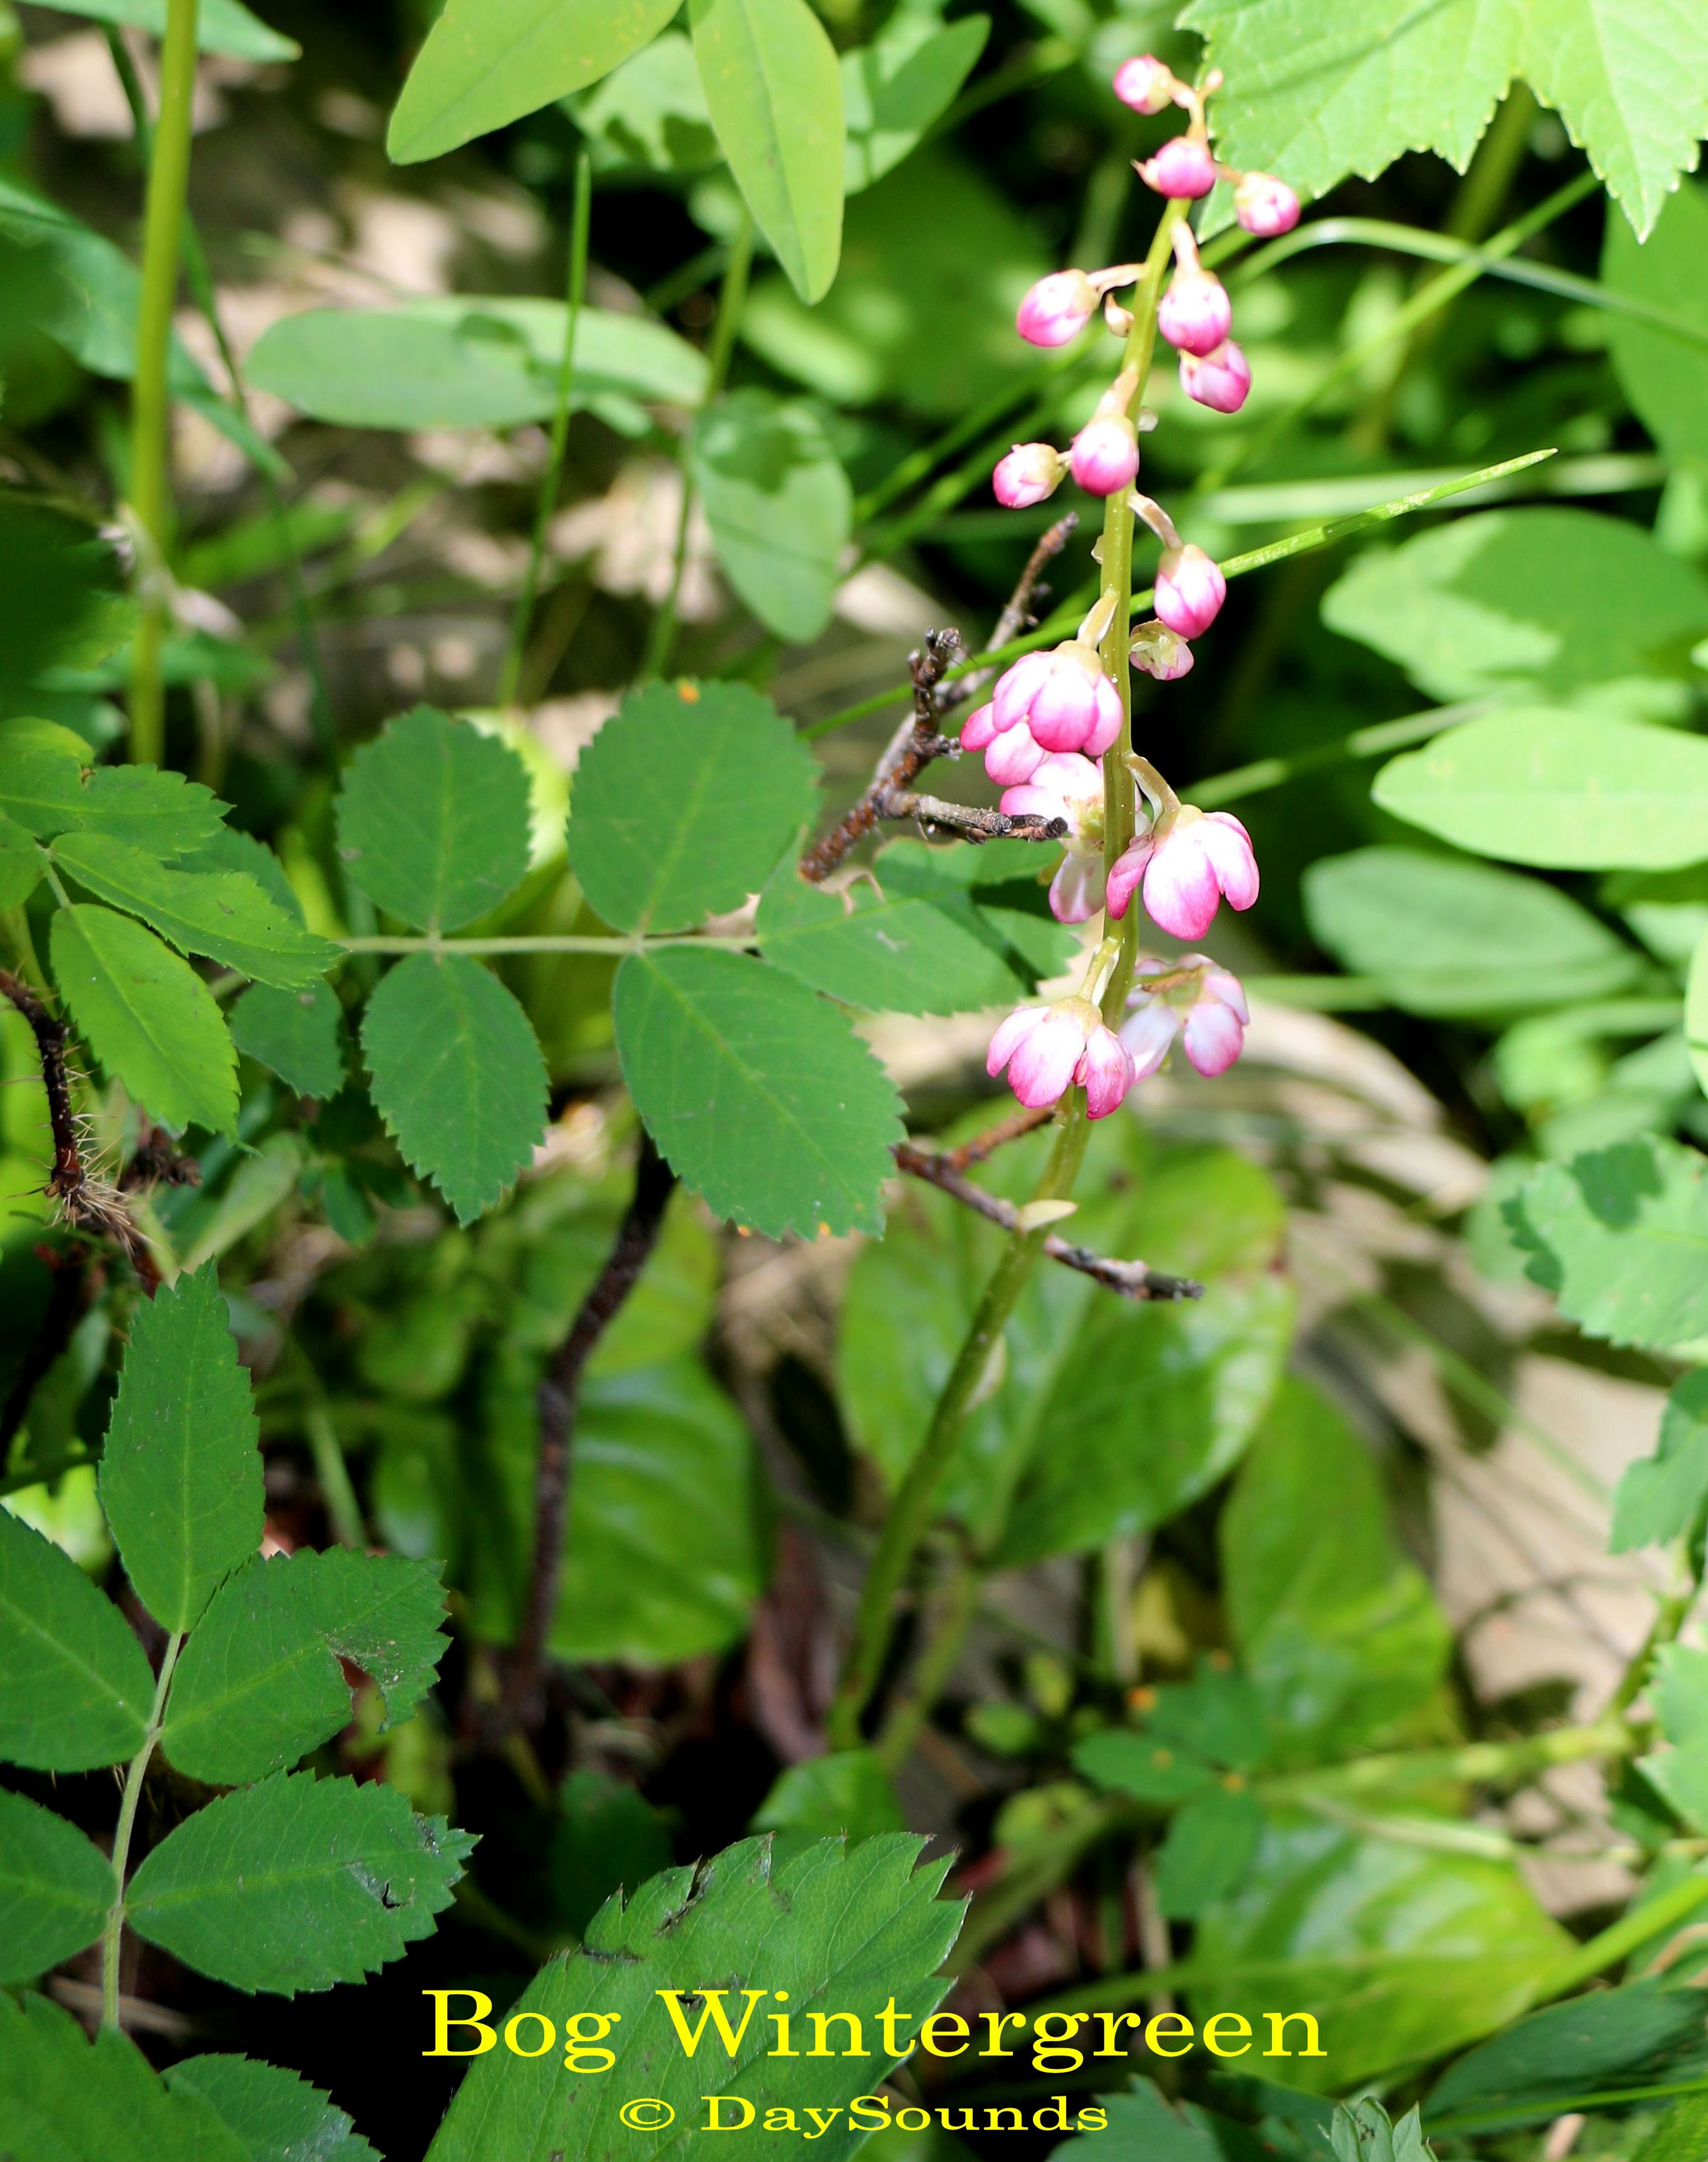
[
  {"x": 555, "y": 1399},
  {"x": 1017, "y": 615},
  {"x": 975, "y": 825},
  {"x": 1011, "y": 1129},
  {"x": 1131, "y": 1279}
]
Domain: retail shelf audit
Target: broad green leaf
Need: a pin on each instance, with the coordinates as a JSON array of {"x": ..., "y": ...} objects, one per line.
[
  {"x": 275, "y": 2114},
  {"x": 1556, "y": 597},
  {"x": 21, "y": 863},
  {"x": 181, "y": 1478},
  {"x": 774, "y": 95},
  {"x": 433, "y": 821},
  {"x": 225, "y": 27},
  {"x": 222, "y": 914},
  {"x": 1143, "y": 2127},
  {"x": 893, "y": 89},
  {"x": 777, "y": 500},
  {"x": 741, "y": 786},
  {"x": 841, "y": 1930},
  {"x": 651, "y": 112},
  {"x": 1620, "y": 1236},
  {"x": 1338, "y": 1630},
  {"x": 297, "y": 1883},
  {"x": 1663, "y": 1496},
  {"x": 55, "y": 1888},
  {"x": 1423, "y": 926},
  {"x": 458, "y": 1076},
  {"x": 297, "y": 1034},
  {"x": 1400, "y": 1952},
  {"x": 845, "y": 1795},
  {"x": 1207, "y": 1851},
  {"x": 488, "y": 62},
  {"x": 40, "y": 787},
  {"x": 465, "y": 363},
  {"x": 1643, "y": 2035},
  {"x": 760, "y": 1096},
  {"x": 260, "y": 1684},
  {"x": 74, "y": 1689},
  {"x": 1665, "y": 377},
  {"x": 160, "y": 812},
  {"x": 65, "y": 2099}
]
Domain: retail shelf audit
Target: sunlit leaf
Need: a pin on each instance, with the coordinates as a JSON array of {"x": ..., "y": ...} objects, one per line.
[
  {"x": 893, "y": 89},
  {"x": 225, "y": 27},
  {"x": 779, "y": 505}
]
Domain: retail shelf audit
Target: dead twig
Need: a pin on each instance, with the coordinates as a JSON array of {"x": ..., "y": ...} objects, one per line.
[{"x": 984, "y": 1145}]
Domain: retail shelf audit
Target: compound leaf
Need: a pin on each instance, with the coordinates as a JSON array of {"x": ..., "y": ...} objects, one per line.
[
  {"x": 779, "y": 506},
  {"x": 55, "y": 1888},
  {"x": 65, "y": 2099},
  {"x": 275, "y": 2114},
  {"x": 297, "y": 1034},
  {"x": 74, "y": 1689}
]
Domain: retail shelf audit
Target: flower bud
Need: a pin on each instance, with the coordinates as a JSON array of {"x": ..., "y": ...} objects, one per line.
[
  {"x": 1030, "y": 473},
  {"x": 1106, "y": 1073},
  {"x": 1265, "y": 205},
  {"x": 1012, "y": 757},
  {"x": 1183, "y": 168},
  {"x": 1190, "y": 590},
  {"x": 979, "y": 729},
  {"x": 1056, "y": 309},
  {"x": 1105, "y": 454},
  {"x": 1195, "y": 314},
  {"x": 1219, "y": 379},
  {"x": 1063, "y": 697},
  {"x": 1144, "y": 83},
  {"x": 1187, "y": 869},
  {"x": 1157, "y": 651}
]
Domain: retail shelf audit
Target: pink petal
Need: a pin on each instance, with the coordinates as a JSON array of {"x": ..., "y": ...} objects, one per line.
[
  {"x": 1043, "y": 1065},
  {"x": 1076, "y": 891},
  {"x": 1011, "y": 1035},
  {"x": 1106, "y": 727},
  {"x": 1017, "y": 686},
  {"x": 1106, "y": 1073},
  {"x": 1221, "y": 983},
  {"x": 1063, "y": 707},
  {"x": 979, "y": 728},
  {"x": 1214, "y": 1036},
  {"x": 1147, "y": 1034},
  {"x": 1030, "y": 801},
  {"x": 1227, "y": 844},
  {"x": 1014, "y": 756},
  {"x": 1124, "y": 877},
  {"x": 1180, "y": 888}
]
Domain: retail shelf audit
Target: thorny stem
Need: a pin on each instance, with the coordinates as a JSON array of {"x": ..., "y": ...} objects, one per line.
[
  {"x": 168, "y": 181},
  {"x": 113, "y": 1933}
]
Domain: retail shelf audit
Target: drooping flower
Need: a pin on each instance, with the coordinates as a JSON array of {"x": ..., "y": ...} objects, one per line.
[
  {"x": 1047, "y": 1049},
  {"x": 1219, "y": 380},
  {"x": 1183, "y": 169},
  {"x": 1156, "y": 650},
  {"x": 1265, "y": 205},
  {"x": 1069, "y": 787},
  {"x": 1105, "y": 454},
  {"x": 1190, "y": 590},
  {"x": 1058, "y": 308},
  {"x": 1188, "y": 864},
  {"x": 1197, "y": 1001},
  {"x": 1063, "y": 697},
  {"x": 1144, "y": 83},
  {"x": 1195, "y": 314},
  {"x": 1027, "y": 475}
]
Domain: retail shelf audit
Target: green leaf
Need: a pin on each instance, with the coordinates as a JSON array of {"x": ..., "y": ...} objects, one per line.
[
  {"x": 464, "y": 363},
  {"x": 1665, "y": 379},
  {"x": 606, "y": 1838},
  {"x": 74, "y": 1689},
  {"x": 777, "y": 500},
  {"x": 275, "y": 2114},
  {"x": 161, "y": 813},
  {"x": 21, "y": 863},
  {"x": 760, "y": 1096},
  {"x": 1679, "y": 2134},
  {"x": 1620, "y": 1236},
  {"x": 64, "y": 2099},
  {"x": 181, "y": 1477},
  {"x": 297, "y": 1034},
  {"x": 1209, "y": 1848},
  {"x": 651, "y": 112},
  {"x": 221, "y": 26},
  {"x": 1143, "y": 2127},
  {"x": 55, "y": 1888},
  {"x": 774, "y": 95},
  {"x": 458, "y": 1076},
  {"x": 1696, "y": 1013},
  {"x": 1559, "y": 598},
  {"x": 1679, "y": 1692},
  {"x": 1421, "y": 926},
  {"x": 297, "y": 1883},
  {"x": 433, "y": 821},
  {"x": 742, "y": 786},
  {"x": 488, "y": 62},
  {"x": 39, "y": 788},
  {"x": 260, "y": 1684},
  {"x": 222, "y": 914},
  {"x": 893, "y": 89},
  {"x": 1641, "y": 2035},
  {"x": 1663, "y": 1496},
  {"x": 840, "y": 1930},
  {"x": 1145, "y": 1766},
  {"x": 845, "y": 1795},
  {"x": 63, "y": 597},
  {"x": 1338, "y": 1630}
]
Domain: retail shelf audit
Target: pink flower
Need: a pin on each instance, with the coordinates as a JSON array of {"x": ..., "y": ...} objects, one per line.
[
  {"x": 1106, "y": 1073},
  {"x": 1068, "y": 786},
  {"x": 1063, "y": 697},
  {"x": 1190, "y": 590},
  {"x": 1047, "y": 1049},
  {"x": 979, "y": 729},
  {"x": 1183, "y": 168},
  {"x": 1265, "y": 205},
  {"x": 1030, "y": 473},
  {"x": 1145, "y": 84},
  {"x": 1014, "y": 756},
  {"x": 1195, "y": 313},
  {"x": 1187, "y": 870},
  {"x": 1219, "y": 379},
  {"x": 1208, "y": 1009},
  {"x": 1056, "y": 309},
  {"x": 1157, "y": 651},
  {"x": 1105, "y": 455}
]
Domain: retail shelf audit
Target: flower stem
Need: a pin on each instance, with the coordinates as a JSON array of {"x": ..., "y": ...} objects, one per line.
[
  {"x": 114, "y": 1931},
  {"x": 163, "y": 243}
]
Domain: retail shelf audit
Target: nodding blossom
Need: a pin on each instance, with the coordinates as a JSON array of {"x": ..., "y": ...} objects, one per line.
[
  {"x": 1012, "y": 754},
  {"x": 1190, "y": 590},
  {"x": 1265, "y": 205},
  {"x": 1105, "y": 455},
  {"x": 1219, "y": 380},
  {"x": 1058, "y": 308},
  {"x": 1145, "y": 84},
  {"x": 1187, "y": 864},
  {"x": 1195, "y": 1001},
  {"x": 1156, "y": 650},
  {"x": 1048, "y": 1049},
  {"x": 1027, "y": 475},
  {"x": 1068, "y": 786},
  {"x": 1063, "y": 697},
  {"x": 1195, "y": 314},
  {"x": 1183, "y": 169}
]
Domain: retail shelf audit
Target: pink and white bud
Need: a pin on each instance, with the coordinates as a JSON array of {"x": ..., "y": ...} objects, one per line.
[
  {"x": 979, "y": 729},
  {"x": 1069, "y": 787},
  {"x": 1187, "y": 870},
  {"x": 1206, "y": 1009},
  {"x": 1058, "y": 308},
  {"x": 1183, "y": 169},
  {"x": 1157, "y": 651},
  {"x": 1195, "y": 313},
  {"x": 1106, "y": 1073},
  {"x": 1063, "y": 697},
  {"x": 1265, "y": 205},
  {"x": 1013, "y": 757},
  {"x": 1219, "y": 380},
  {"x": 1145, "y": 84},
  {"x": 1215, "y": 1029},
  {"x": 1027, "y": 475},
  {"x": 1190, "y": 590},
  {"x": 1105, "y": 455}
]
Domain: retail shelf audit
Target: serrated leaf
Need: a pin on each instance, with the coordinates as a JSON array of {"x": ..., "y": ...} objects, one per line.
[
  {"x": 180, "y": 1476},
  {"x": 64, "y": 2099},
  {"x": 222, "y": 914},
  {"x": 1662, "y": 1497},
  {"x": 894, "y": 88},
  {"x": 259, "y": 1683},
  {"x": 433, "y": 821},
  {"x": 1620, "y": 1236},
  {"x": 21, "y": 863},
  {"x": 41, "y": 788},
  {"x": 74, "y": 1689},
  {"x": 839, "y": 1931},
  {"x": 297, "y": 1034},
  {"x": 161, "y": 813},
  {"x": 297, "y": 1883},
  {"x": 55, "y": 1888},
  {"x": 778, "y": 504},
  {"x": 488, "y": 62},
  {"x": 458, "y": 1076},
  {"x": 1665, "y": 378},
  {"x": 739, "y": 785},
  {"x": 225, "y": 27},
  {"x": 275, "y": 2112},
  {"x": 774, "y": 95},
  {"x": 760, "y": 1095},
  {"x": 147, "y": 1017},
  {"x": 1143, "y": 2127}
]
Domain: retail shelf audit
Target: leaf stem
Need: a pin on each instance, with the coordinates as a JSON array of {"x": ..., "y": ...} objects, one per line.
[{"x": 114, "y": 1931}]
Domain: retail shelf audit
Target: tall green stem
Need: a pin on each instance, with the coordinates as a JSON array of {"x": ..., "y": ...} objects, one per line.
[
  {"x": 151, "y": 403},
  {"x": 114, "y": 1931}
]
